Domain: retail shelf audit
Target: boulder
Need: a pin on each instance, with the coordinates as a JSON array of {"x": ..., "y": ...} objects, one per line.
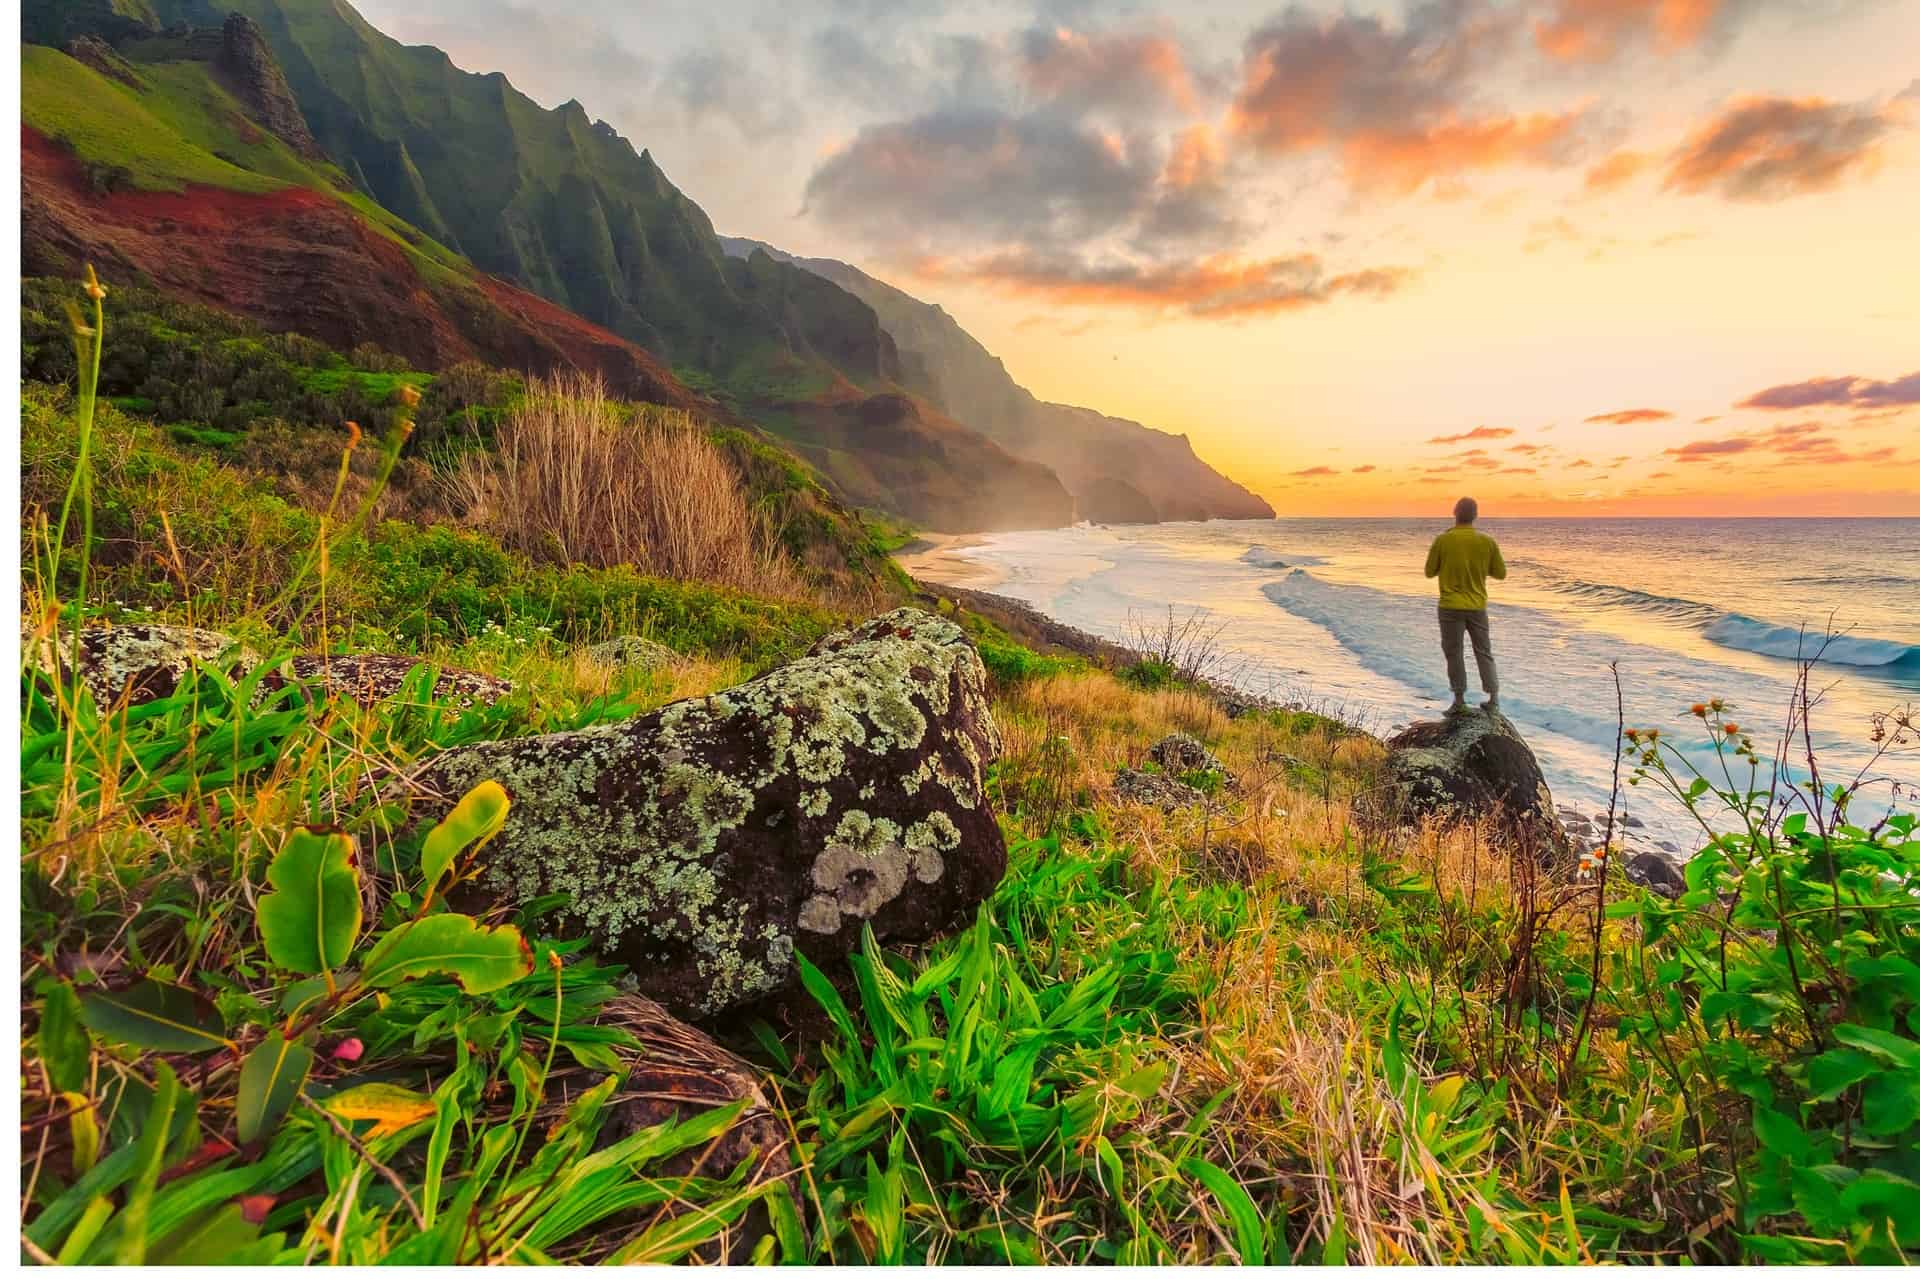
[
  {"x": 702, "y": 844},
  {"x": 145, "y": 662},
  {"x": 633, "y": 652},
  {"x": 1473, "y": 766},
  {"x": 1181, "y": 753}
]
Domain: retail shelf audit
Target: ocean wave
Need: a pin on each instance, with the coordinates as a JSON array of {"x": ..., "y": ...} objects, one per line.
[
  {"x": 1264, "y": 557},
  {"x": 1737, "y": 630}
]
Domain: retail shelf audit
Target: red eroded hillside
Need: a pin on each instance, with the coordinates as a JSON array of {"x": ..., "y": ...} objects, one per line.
[{"x": 302, "y": 260}]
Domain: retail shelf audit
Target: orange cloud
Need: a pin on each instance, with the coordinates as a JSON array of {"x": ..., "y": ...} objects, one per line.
[
  {"x": 1595, "y": 30},
  {"x": 1403, "y": 161},
  {"x": 1196, "y": 161},
  {"x": 1631, "y": 417},
  {"x": 1218, "y": 287},
  {"x": 1076, "y": 66},
  {"x": 1477, "y": 433},
  {"x": 1616, "y": 170},
  {"x": 1762, "y": 148}
]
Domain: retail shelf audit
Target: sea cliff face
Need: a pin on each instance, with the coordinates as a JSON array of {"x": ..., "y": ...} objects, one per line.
[{"x": 1118, "y": 471}]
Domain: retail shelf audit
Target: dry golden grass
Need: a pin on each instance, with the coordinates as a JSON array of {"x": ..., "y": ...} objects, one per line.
[{"x": 576, "y": 477}]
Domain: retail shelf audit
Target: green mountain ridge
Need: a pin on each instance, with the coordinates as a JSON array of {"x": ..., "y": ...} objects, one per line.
[
  {"x": 566, "y": 208},
  {"x": 1118, "y": 470}
]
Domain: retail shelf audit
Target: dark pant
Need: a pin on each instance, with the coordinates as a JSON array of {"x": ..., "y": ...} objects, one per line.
[{"x": 1456, "y": 623}]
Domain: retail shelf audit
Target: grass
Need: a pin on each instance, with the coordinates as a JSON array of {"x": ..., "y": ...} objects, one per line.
[
  {"x": 1251, "y": 1029},
  {"x": 108, "y": 124}
]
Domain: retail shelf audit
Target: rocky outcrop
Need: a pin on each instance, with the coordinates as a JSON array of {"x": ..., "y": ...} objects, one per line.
[
  {"x": 1157, "y": 790},
  {"x": 703, "y": 844},
  {"x": 1473, "y": 766},
  {"x": 145, "y": 662},
  {"x": 92, "y": 51},
  {"x": 248, "y": 65}
]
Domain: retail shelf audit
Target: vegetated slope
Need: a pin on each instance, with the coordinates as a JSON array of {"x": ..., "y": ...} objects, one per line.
[
  {"x": 563, "y": 205},
  {"x": 152, "y": 169},
  {"x": 1118, "y": 470}
]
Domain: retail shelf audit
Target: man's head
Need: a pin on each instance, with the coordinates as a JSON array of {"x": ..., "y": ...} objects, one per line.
[{"x": 1466, "y": 511}]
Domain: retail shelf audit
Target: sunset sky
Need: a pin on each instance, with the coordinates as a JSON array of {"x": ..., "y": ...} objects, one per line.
[{"x": 1584, "y": 257}]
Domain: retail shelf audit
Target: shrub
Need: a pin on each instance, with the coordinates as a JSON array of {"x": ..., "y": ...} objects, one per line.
[{"x": 579, "y": 478}]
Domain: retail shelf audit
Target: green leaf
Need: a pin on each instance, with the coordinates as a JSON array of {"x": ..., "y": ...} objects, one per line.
[
  {"x": 480, "y": 959},
  {"x": 476, "y": 819},
  {"x": 64, "y": 1048},
  {"x": 311, "y": 919},
  {"x": 1835, "y": 1071},
  {"x": 212, "y": 1239},
  {"x": 1249, "y": 1231},
  {"x": 1882, "y": 1043},
  {"x": 150, "y": 1152},
  {"x": 157, "y": 1016},
  {"x": 270, "y": 1079},
  {"x": 1891, "y": 1104}
]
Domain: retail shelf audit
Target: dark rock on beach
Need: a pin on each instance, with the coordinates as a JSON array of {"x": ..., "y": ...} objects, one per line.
[
  {"x": 1469, "y": 767},
  {"x": 703, "y": 844}
]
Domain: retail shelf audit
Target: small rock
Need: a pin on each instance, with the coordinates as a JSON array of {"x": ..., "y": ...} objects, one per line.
[
  {"x": 1157, "y": 789},
  {"x": 1656, "y": 873}
]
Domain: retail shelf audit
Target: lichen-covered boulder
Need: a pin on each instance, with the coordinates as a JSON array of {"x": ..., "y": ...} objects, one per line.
[
  {"x": 145, "y": 662},
  {"x": 701, "y": 844},
  {"x": 1471, "y": 767},
  {"x": 140, "y": 662},
  {"x": 371, "y": 678},
  {"x": 632, "y": 652}
]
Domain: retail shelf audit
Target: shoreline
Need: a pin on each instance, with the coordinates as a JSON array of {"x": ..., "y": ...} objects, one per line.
[{"x": 936, "y": 559}]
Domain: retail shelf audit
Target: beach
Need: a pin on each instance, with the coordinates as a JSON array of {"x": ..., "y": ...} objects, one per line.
[{"x": 941, "y": 558}]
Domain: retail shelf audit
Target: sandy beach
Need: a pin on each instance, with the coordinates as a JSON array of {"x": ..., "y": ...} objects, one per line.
[{"x": 937, "y": 557}]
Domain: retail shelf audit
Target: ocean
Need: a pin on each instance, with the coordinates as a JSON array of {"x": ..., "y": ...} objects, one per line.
[{"x": 1337, "y": 614}]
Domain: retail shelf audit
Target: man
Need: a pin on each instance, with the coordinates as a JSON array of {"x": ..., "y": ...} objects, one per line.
[{"x": 1463, "y": 558}]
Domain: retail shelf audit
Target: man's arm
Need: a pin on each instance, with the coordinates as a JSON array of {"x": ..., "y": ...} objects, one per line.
[
  {"x": 1433, "y": 559},
  {"x": 1496, "y": 567}
]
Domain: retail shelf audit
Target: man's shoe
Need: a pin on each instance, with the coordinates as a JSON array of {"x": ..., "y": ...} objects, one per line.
[
  {"x": 1491, "y": 706},
  {"x": 1459, "y": 704}
]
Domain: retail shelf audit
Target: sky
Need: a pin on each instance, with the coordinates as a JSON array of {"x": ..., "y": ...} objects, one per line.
[{"x": 1583, "y": 257}]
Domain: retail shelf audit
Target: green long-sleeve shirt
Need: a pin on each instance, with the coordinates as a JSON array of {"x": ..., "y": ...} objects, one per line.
[{"x": 1463, "y": 558}]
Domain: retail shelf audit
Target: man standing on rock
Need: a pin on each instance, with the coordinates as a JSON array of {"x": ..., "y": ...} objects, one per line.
[{"x": 1463, "y": 558}]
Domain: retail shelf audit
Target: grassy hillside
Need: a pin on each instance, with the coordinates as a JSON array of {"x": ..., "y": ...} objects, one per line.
[{"x": 1253, "y": 1027}]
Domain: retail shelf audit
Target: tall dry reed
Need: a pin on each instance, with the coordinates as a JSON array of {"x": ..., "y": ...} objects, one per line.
[{"x": 577, "y": 477}]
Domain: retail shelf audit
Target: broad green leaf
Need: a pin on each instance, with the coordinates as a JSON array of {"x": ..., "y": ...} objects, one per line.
[
  {"x": 311, "y": 919},
  {"x": 1891, "y": 1103},
  {"x": 212, "y": 1239},
  {"x": 98, "y": 1212},
  {"x": 62, "y": 1040},
  {"x": 390, "y": 1106},
  {"x": 1902, "y": 1052},
  {"x": 1249, "y": 1231},
  {"x": 476, "y": 819},
  {"x": 157, "y": 1016},
  {"x": 480, "y": 959},
  {"x": 1835, "y": 1071},
  {"x": 270, "y": 1079}
]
